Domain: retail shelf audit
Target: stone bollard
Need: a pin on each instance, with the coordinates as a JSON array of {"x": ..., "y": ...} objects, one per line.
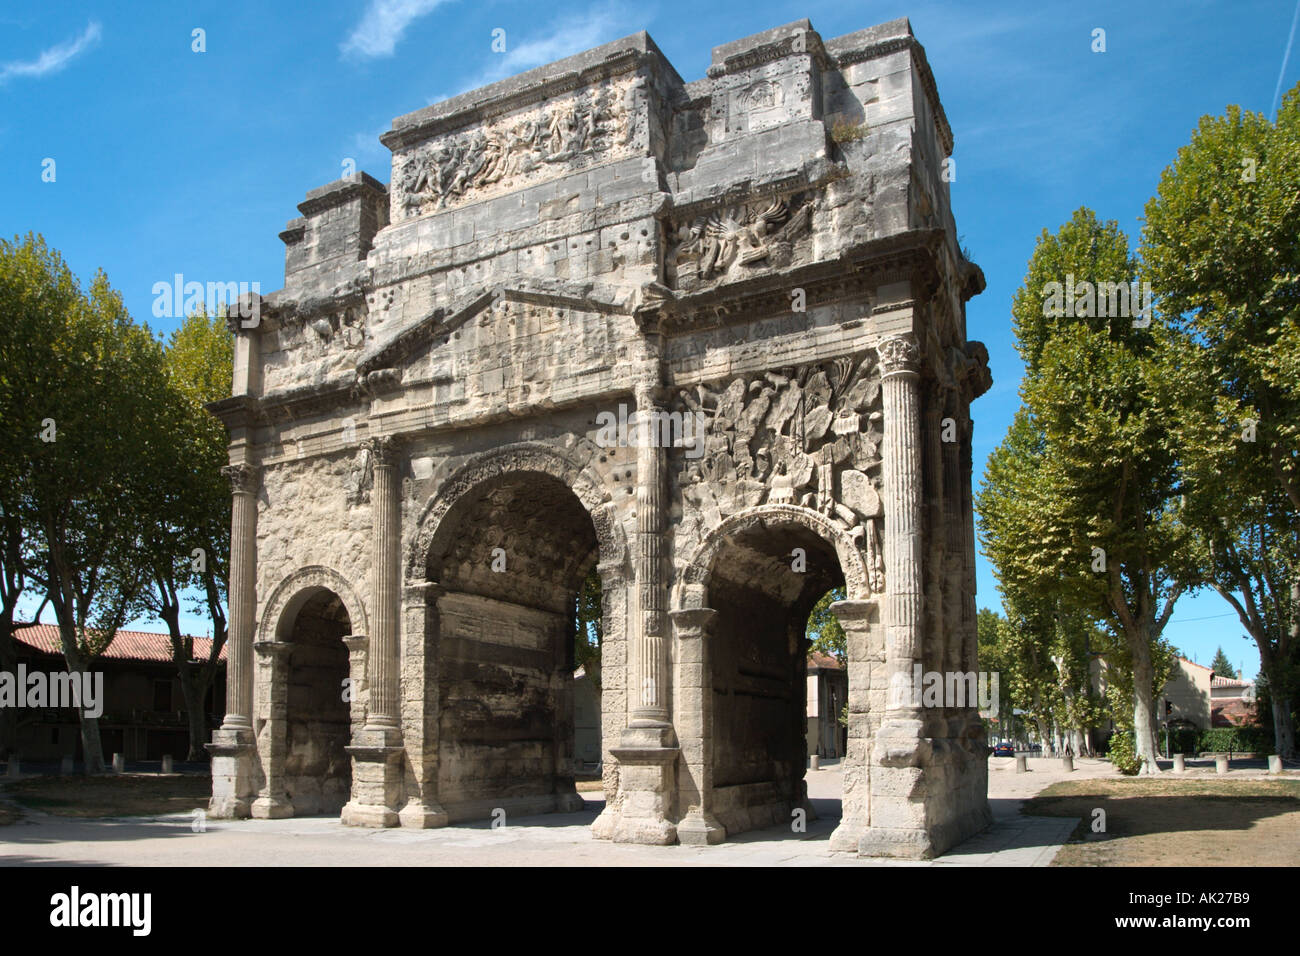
[
  {"x": 815, "y": 762},
  {"x": 119, "y": 763},
  {"x": 14, "y": 769},
  {"x": 1180, "y": 765},
  {"x": 1274, "y": 763},
  {"x": 1067, "y": 763},
  {"x": 167, "y": 763},
  {"x": 65, "y": 765},
  {"x": 1220, "y": 764},
  {"x": 1022, "y": 763}
]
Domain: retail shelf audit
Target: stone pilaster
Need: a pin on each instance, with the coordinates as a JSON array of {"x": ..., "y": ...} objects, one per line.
[
  {"x": 693, "y": 720},
  {"x": 377, "y": 749},
  {"x": 234, "y": 768},
  {"x": 421, "y": 699},
  {"x": 273, "y": 660},
  {"x": 867, "y": 693}
]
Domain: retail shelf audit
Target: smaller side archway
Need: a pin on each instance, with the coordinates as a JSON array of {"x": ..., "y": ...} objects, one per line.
[
  {"x": 760, "y": 572},
  {"x": 307, "y": 679}
]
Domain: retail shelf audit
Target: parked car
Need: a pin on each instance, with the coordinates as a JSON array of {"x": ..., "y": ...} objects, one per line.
[
  {"x": 1036, "y": 748},
  {"x": 1004, "y": 750}
]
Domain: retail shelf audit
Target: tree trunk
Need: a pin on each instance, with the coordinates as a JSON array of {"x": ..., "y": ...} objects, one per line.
[
  {"x": 1144, "y": 738},
  {"x": 8, "y": 715},
  {"x": 193, "y": 690},
  {"x": 1283, "y": 728},
  {"x": 91, "y": 746}
]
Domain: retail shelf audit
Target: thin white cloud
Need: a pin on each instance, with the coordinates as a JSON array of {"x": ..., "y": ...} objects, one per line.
[
  {"x": 1277, "y": 93},
  {"x": 382, "y": 25},
  {"x": 55, "y": 58},
  {"x": 573, "y": 34}
]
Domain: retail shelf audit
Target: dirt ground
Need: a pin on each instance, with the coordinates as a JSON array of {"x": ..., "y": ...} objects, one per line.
[
  {"x": 1176, "y": 822},
  {"x": 122, "y": 795}
]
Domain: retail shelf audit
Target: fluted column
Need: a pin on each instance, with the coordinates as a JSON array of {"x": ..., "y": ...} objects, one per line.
[
  {"x": 900, "y": 374},
  {"x": 233, "y": 749},
  {"x": 386, "y": 583},
  {"x": 376, "y": 749},
  {"x": 651, "y": 688},
  {"x": 242, "y": 596}
]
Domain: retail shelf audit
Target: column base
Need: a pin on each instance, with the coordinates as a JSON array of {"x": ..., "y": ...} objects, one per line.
[
  {"x": 698, "y": 828},
  {"x": 234, "y": 773},
  {"x": 271, "y": 808},
  {"x": 376, "y": 778},
  {"x": 647, "y": 763},
  {"x": 422, "y": 816}
]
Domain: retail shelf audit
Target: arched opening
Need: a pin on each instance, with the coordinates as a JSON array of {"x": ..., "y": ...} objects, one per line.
[
  {"x": 510, "y": 556},
  {"x": 764, "y": 581},
  {"x": 317, "y": 768}
]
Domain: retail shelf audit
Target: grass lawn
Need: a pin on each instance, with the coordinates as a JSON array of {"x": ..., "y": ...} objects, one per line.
[
  {"x": 117, "y": 795},
  {"x": 1155, "y": 821}
]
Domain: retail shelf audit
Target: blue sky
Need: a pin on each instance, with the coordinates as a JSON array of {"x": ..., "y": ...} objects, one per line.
[{"x": 168, "y": 160}]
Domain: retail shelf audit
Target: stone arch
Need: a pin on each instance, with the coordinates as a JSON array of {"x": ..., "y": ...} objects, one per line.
[
  {"x": 298, "y": 588},
  {"x": 515, "y": 459},
  {"x": 692, "y": 583}
]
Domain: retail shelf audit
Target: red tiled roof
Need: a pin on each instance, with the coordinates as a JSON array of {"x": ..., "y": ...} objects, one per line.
[
  {"x": 126, "y": 645},
  {"x": 1217, "y": 681},
  {"x": 1231, "y": 712},
  {"x": 824, "y": 661}
]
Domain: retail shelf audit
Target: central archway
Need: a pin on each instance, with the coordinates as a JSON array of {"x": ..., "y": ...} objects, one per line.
[{"x": 506, "y": 545}]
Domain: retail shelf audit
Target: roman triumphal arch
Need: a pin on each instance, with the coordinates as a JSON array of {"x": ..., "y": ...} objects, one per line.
[{"x": 705, "y": 339}]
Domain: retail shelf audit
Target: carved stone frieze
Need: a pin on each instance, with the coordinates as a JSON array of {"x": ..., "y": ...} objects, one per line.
[
  {"x": 808, "y": 436},
  {"x": 733, "y": 241},
  {"x": 590, "y": 126}
]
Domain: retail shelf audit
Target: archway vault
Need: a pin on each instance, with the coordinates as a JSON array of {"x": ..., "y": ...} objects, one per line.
[
  {"x": 691, "y": 587},
  {"x": 296, "y": 589},
  {"x": 440, "y": 517}
]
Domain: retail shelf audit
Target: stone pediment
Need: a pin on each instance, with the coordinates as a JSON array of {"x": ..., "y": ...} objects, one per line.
[{"x": 390, "y": 351}]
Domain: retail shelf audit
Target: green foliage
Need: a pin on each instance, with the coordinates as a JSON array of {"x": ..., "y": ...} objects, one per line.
[
  {"x": 587, "y": 639},
  {"x": 1222, "y": 740},
  {"x": 1222, "y": 667},
  {"x": 1222, "y": 247},
  {"x": 824, "y": 630},
  {"x": 1079, "y": 508},
  {"x": 79, "y": 371},
  {"x": 1122, "y": 753}
]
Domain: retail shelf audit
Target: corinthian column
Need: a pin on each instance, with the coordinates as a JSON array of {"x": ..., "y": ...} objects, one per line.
[
  {"x": 243, "y": 596},
  {"x": 386, "y": 584},
  {"x": 652, "y": 664},
  {"x": 233, "y": 747},
  {"x": 376, "y": 749},
  {"x": 900, "y": 373}
]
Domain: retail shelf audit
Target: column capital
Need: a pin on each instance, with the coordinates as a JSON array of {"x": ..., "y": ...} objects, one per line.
[
  {"x": 422, "y": 593},
  {"x": 242, "y": 476},
  {"x": 692, "y": 622},
  {"x": 385, "y": 450},
  {"x": 899, "y": 355},
  {"x": 272, "y": 650},
  {"x": 356, "y": 642},
  {"x": 852, "y": 613}
]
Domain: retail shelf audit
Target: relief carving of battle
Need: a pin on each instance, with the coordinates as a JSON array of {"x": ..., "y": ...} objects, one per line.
[
  {"x": 734, "y": 241},
  {"x": 514, "y": 151},
  {"x": 807, "y": 436}
]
